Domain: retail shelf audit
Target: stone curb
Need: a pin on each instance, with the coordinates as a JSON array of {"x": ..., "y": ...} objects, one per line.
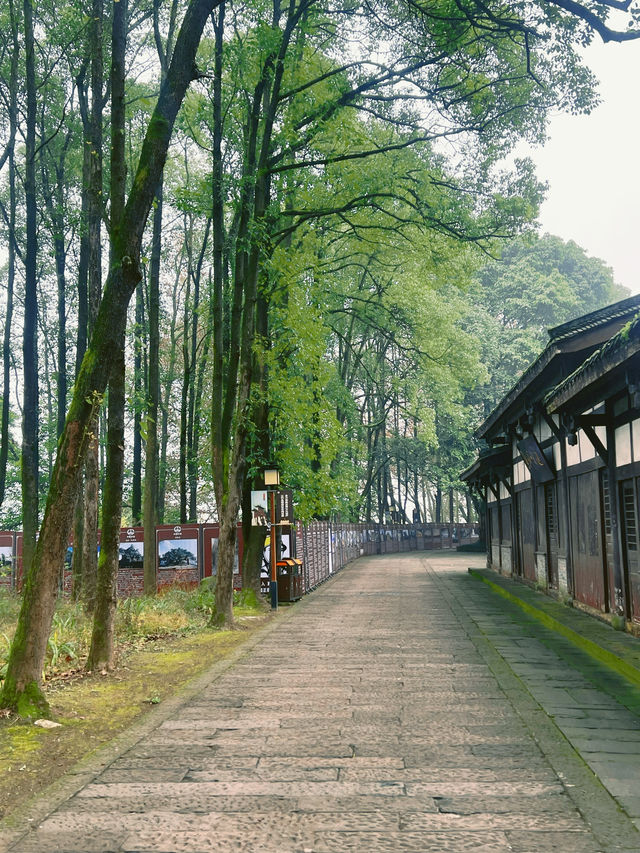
[{"x": 604, "y": 655}]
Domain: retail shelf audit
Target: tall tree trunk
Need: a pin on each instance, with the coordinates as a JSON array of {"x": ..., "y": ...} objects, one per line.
[
  {"x": 416, "y": 489},
  {"x": 186, "y": 379},
  {"x": 83, "y": 316},
  {"x": 165, "y": 402},
  {"x": 138, "y": 393},
  {"x": 250, "y": 242},
  {"x": 197, "y": 407},
  {"x": 217, "y": 297},
  {"x": 254, "y": 535},
  {"x": 92, "y": 465},
  {"x": 22, "y": 685},
  {"x": 11, "y": 260},
  {"x": 149, "y": 511},
  {"x": 56, "y": 208},
  {"x": 30, "y": 418},
  {"x": 101, "y": 652},
  {"x": 192, "y": 413}
]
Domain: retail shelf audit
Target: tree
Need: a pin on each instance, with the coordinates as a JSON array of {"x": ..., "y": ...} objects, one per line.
[
  {"x": 22, "y": 686},
  {"x": 8, "y": 156},
  {"x": 102, "y": 652},
  {"x": 536, "y": 284},
  {"x": 30, "y": 456}
]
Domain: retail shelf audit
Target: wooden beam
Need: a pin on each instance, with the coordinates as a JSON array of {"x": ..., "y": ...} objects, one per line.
[
  {"x": 592, "y": 420},
  {"x": 503, "y": 479},
  {"x": 555, "y": 429}
]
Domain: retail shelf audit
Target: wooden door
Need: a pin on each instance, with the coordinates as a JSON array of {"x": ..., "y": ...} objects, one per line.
[
  {"x": 586, "y": 539},
  {"x": 551, "y": 529},
  {"x": 526, "y": 535},
  {"x": 631, "y": 554}
]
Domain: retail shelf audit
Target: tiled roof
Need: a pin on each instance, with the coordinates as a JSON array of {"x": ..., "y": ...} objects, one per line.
[
  {"x": 617, "y": 349},
  {"x": 595, "y": 318},
  {"x": 558, "y": 336}
]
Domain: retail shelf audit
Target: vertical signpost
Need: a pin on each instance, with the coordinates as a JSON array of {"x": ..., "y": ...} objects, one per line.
[{"x": 271, "y": 482}]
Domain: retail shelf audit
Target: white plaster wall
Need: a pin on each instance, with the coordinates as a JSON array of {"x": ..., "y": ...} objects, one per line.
[
  {"x": 573, "y": 454},
  {"x": 520, "y": 473},
  {"x": 545, "y": 430},
  {"x": 587, "y": 450},
  {"x": 623, "y": 445},
  {"x": 635, "y": 432}
]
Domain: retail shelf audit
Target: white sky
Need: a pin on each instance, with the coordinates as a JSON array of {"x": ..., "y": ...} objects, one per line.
[{"x": 592, "y": 167}]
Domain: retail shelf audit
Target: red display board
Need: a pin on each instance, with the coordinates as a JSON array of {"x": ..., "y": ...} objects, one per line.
[
  {"x": 178, "y": 554},
  {"x": 210, "y": 536},
  {"x": 131, "y": 561},
  {"x": 7, "y": 565}
]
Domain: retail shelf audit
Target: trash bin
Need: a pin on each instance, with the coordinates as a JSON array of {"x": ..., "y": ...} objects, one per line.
[{"x": 289, "y": 579}]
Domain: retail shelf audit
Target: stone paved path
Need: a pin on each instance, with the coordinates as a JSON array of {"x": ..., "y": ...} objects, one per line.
[{"x": 392, "y": 710}]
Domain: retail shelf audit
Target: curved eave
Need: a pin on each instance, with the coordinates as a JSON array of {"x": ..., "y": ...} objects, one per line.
[
  {"x": 602, "y": 372},
  {"x": 513, "y": 396},
  {"x": 484, "y": 467}
]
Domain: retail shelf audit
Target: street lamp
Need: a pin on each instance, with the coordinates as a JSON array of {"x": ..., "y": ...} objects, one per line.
[
  {"x": 271, "y": 482},
  {"x": 272, "y": 477}
]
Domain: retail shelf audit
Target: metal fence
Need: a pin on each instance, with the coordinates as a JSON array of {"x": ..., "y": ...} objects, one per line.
[{"x": 326, "y": 547}]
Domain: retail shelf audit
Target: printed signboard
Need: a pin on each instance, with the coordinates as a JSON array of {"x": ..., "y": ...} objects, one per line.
[
  {"x": 131, "y": 561},
  {"x": 6, "y": 558},
  {"x": 177, "y": 554},
  {"x": 260, "y": 508},
  {"x": 535, "y": 460}
]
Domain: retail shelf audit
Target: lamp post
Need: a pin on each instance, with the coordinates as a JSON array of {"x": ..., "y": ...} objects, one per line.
[{"x": 271, "y": 482}]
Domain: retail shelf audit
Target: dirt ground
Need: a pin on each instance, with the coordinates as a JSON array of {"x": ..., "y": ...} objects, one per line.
[{"x": 94, "y": 708}]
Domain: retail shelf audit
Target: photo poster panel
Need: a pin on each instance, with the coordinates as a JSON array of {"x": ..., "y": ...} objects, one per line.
[
  {"x": 210, "y": 537},
  {"x": 260, "y": 512},
  {"x": 7, "y": 543},
  {"x": 131, "y": 548},
  {"x": 285, "y": 551},
  {"x": 178, "y": 554},
  {"x": 131, "y": 561}
]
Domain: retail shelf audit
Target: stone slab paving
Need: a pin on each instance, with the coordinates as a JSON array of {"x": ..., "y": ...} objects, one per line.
[
  {"x": 398, "y": 708},
  {"x": 595, "y": 709}
]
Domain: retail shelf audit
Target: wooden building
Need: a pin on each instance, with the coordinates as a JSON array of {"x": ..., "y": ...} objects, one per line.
[{"x": 560, "y": 472}]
